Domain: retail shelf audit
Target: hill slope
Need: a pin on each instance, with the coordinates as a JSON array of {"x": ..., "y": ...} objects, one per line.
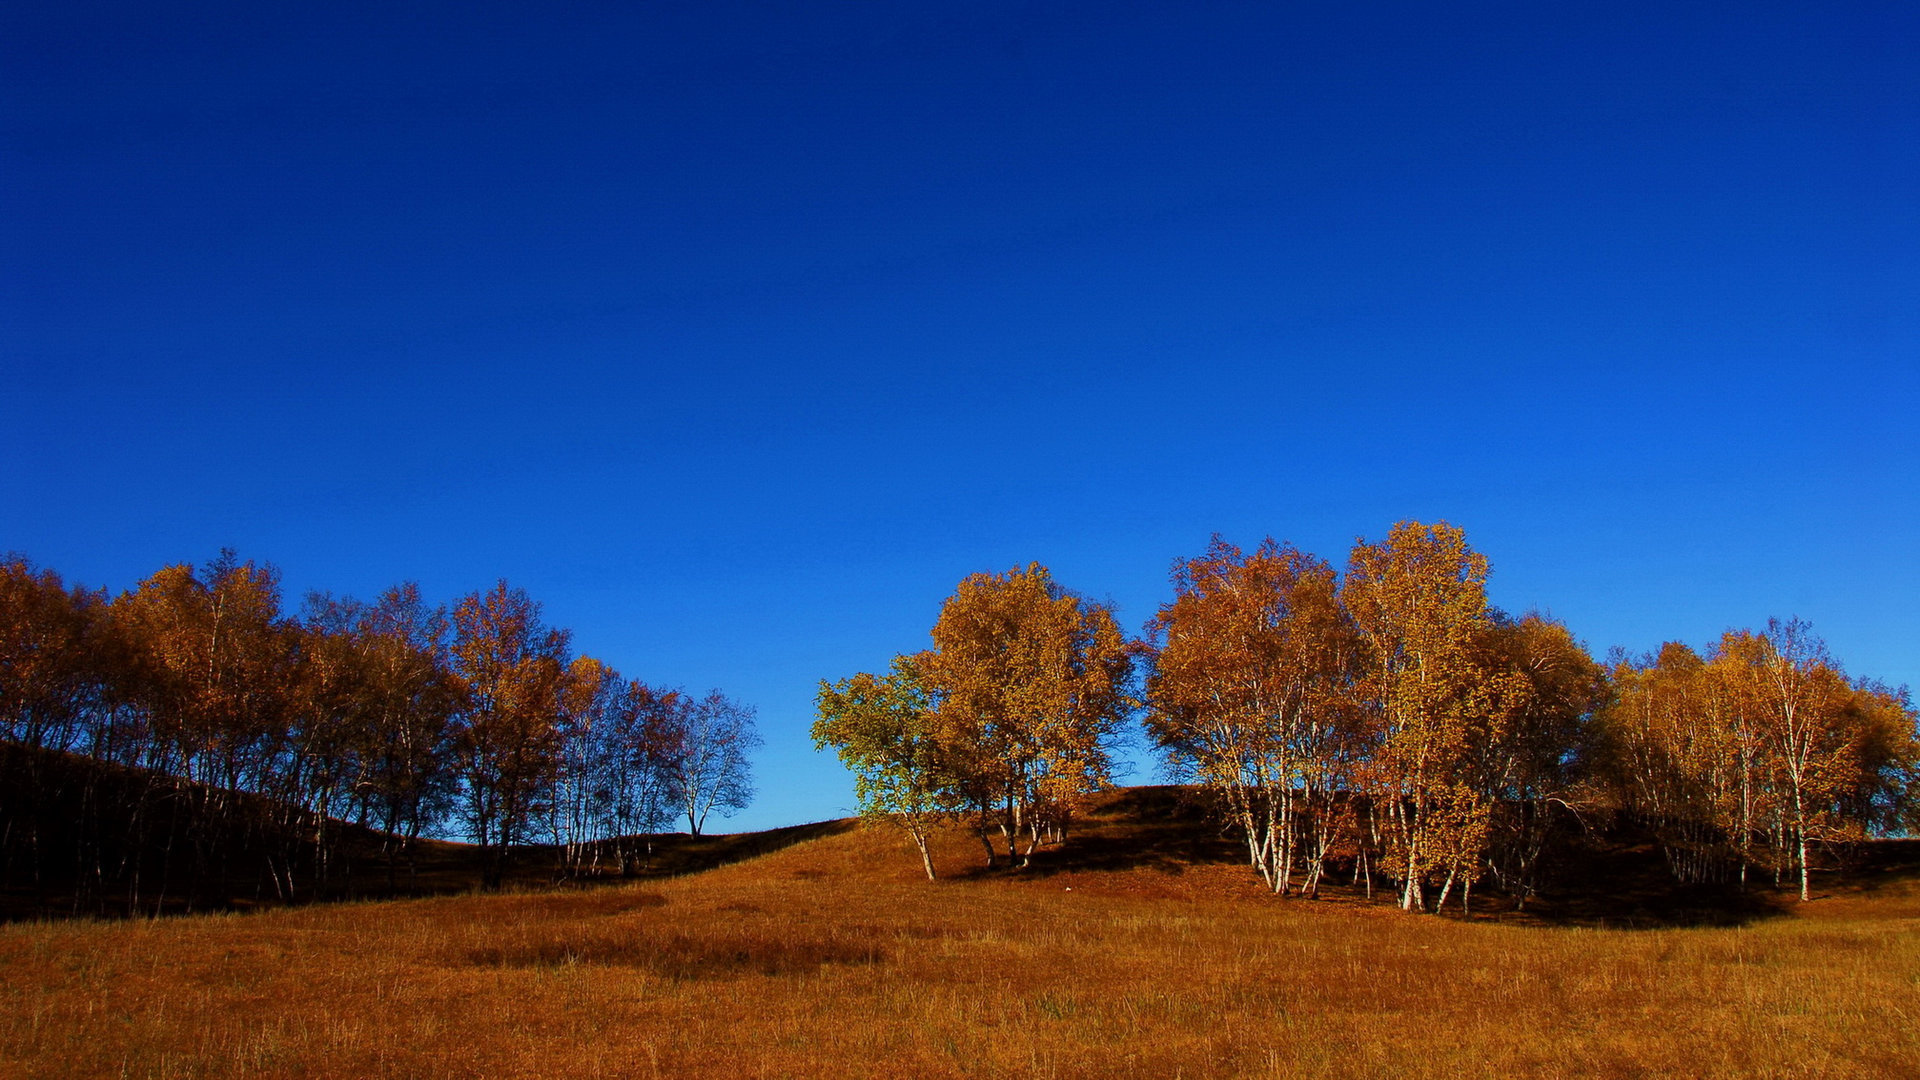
[
  {"x": 82, "y": 837},
  {"x": 833, "y": 956},
  {"x": 86, "y": 838}
]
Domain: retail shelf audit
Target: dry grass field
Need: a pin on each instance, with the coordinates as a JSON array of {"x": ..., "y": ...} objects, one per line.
[{"x": 835, "y": 957}]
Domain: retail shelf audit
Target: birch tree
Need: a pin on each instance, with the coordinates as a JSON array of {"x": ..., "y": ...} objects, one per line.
[
  {"x": 1534, "y": 762},
  {"x": 46, "y": 636},
  {"x": 1811, "y": 722},
  {"x": 1419, "y": 601},
  {"x": 1031, "y": 683},
  {"x": 882, "y": 729},
  {"x": 506, "y": 740},
  {"x": 410, "y": 697},
  {"x": 711, "y": 770},
  {"x": 591, "y": 694},
  {"x": 1758, "y": 754},
  {"x": 1250, "y": 689}
]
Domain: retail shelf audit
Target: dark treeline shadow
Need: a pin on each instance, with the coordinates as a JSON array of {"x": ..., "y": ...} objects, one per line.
[{"x": 189, "y": 745}]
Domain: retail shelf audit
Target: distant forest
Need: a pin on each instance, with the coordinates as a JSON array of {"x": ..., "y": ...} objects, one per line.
[
  {"x": 226, "y": 729},
  {"x": 1385, "y": 723}
]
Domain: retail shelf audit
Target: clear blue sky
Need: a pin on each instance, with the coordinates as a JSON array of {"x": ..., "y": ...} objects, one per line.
[{"x": 737, "y": 333}]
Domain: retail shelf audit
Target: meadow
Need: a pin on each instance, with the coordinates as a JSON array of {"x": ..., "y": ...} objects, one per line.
[{"x": 834, "y": 956}]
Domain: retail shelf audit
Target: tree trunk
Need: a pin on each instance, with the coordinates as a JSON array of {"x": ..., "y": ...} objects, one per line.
[
  {"x": 926, "y": 856},
  {"x": 986, "y": 841}
]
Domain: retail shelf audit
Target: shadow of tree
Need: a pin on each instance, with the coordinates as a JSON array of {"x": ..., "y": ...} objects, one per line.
[
  {"x": 1616, "y": 880},
  {"x": 1163, "y": 829}
]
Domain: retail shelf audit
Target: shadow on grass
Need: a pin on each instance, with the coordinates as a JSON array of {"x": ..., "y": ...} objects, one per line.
[
  {"x": 1617, "y": 882},
  {"x": 677, "y": 854},
  {"x": 1640, "y": 901},
  {"x": 1165, "y": 830},
  {"x": 1621, "y": 881},
  {"x": 434, "y": 868}
]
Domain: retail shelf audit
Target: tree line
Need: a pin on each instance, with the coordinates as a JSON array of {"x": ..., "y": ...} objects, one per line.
[
  {"x": 1384, "y": 722},
  {"x": 233, "y": 730}
]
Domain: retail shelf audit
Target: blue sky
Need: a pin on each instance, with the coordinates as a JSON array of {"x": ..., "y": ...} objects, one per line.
[{"x": 737, "y": 333}]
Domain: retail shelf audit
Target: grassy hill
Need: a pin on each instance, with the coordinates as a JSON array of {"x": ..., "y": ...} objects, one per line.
[
  {"x": 90, "y": 838},
  {"x": 1129, "y": 953}
]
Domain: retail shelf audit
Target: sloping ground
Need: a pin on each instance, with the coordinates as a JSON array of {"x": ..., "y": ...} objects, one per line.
[
  {"x": 80, "y": 837},
  {"x": 834, "y": 957},
  {"x": 1167, "y": 843},
  {"x": 1145, "y": 842}
]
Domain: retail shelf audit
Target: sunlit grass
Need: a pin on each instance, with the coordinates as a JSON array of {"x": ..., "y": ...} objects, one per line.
[{"x": 836, "y": 958}]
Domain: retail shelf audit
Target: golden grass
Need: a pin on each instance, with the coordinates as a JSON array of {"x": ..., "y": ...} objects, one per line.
[{"x": 836, "y": 958}]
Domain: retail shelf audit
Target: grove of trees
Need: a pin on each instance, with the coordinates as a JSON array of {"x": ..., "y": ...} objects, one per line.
[
  {"x": 1751, "y": 756},
  {"x": 1007, "y": 722},
  {"x": 1384, "y": 722},
  {"x": 1379, "y": 724},
  {"x": 226, "y": 729}
]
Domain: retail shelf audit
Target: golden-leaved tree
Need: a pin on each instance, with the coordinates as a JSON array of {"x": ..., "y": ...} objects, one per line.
[
  {"x": 506, "y": 741},
  {"x": 409, "y": 696},
  {"x": 1030, "y": 683},
  {"x": 1806, "y": 716},
  {"x": 215, "y": 670},
  {"x": 1540, "y": 691},
  {"x": 1419, "y": 601},
  {"x": 1757, "y": 754},
  {"x": 215, "y": 665},
  {"x": 48, "y": 640},
  {"x": 1674, "y": 750},
  {"x": 1251, "y": 692}
]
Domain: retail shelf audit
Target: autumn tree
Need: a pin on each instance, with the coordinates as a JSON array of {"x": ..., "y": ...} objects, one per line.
[
  {"x": 1674, "y": 752},
  {"x": 1884, "y": 793},
  {"x": 328, "y": 748},
  {"x": 217, "y": 664},
  {"x": 622, "y": 747},
  {"x": 883, "y": 729},
  {"x": 1816, "y": 732},
  {"x": 247, "y": 736},
  {"x": 409, "y": 696},
  {"x": 1418, "y": 599},
  {"x": 213, "y": 665},
  {"x": 1031, "y": 682},
  {"x": 640, "y": 749},
  {"x": 1756, "y": 754},
  {"x": 1251, "y": 691},
  {"x": 55, "y": 669},
  {"x": 46, "y": 683},
  {"x": 588, "y": 692},
  {"x": 1534, "y": 762},
  {"x": 506, "y": 738}
]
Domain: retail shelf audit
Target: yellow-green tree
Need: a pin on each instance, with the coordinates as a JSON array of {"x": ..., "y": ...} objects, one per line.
[{"x": 882, "y": 729}]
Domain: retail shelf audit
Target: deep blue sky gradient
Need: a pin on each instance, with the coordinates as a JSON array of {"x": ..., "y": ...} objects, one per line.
[{"x": 737, "y": 333}]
